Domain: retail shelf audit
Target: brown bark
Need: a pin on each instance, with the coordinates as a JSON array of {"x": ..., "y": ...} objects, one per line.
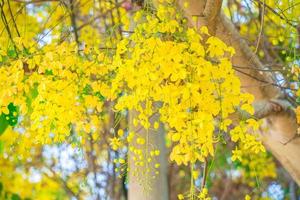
[{"x": 279, "y": 131}]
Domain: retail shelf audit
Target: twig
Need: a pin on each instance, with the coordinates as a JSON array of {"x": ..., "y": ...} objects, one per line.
[
  {"x": 276, "y": 13},
  {"x": 74, "y": 24},
  {"x": 204, "y": 174},
  {"x": 261, "y": 27},
  {"x": 264, "y": 81},
  {"x": 4, "y": 20}
]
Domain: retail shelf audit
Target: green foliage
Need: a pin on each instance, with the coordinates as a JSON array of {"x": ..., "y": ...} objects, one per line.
[
  {"x": 15, "y": 197},
  {"x": 10, "y": 119},
  {"x": 3, "y": 124}
]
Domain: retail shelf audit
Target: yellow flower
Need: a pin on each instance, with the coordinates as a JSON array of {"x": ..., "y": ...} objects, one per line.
[
  {"x": 140, "y": 141},
  {"x": 180, "y": 196},
  {"x": 115, "y": 143},
  {"x": 236, "y": 155},
  {"x": 120, "y": 132}
]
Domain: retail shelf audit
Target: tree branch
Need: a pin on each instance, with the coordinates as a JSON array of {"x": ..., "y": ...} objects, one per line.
[
  {"x": 211, "y": 12},
  {"x": 205, "y": 171},
  {"x": 73, "y": 21}
]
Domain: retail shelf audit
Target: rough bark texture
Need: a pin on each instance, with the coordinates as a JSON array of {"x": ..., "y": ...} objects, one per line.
[{"x": 279, "y": 131}]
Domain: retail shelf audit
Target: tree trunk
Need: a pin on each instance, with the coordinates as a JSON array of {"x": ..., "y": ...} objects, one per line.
[
  {"x": 158, "y": 187},
  {"x": 279, "y": 131}
]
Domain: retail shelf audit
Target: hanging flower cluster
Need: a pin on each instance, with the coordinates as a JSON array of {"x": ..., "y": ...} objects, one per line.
[
  {"x": 165, "y": 74},
  {"x": 187, "y": 78}
]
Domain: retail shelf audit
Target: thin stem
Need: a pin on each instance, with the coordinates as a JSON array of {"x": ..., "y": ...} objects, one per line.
[
  {"x": 13, "y": 19},
  {"x": 204, "y": 174},
  {"x": 4, "y": 20},
  {"x": 261, "y": 27},
  {"x": 73, "y": 21}
]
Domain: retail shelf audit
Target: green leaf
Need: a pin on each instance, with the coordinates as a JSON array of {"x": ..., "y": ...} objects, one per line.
[
  {"x": 12, "y": 53},
  {"x": 26, "y": 52},
  {"x": 12, "y": 117},
  {"x": 32, "y": 94},
  {"x": 100, "y": 96},
  {"x": 48, "y": 72},
  {"x": 1, "y": 187},
  {"x": 3, "y": 59},
  {"x": 15, "y": 197},
  {"x": 3, "y": 124},
  {"x": 298, "y": 100},
  {"x": 87, "y": 90},
  {"x": 1, "y": 146}
]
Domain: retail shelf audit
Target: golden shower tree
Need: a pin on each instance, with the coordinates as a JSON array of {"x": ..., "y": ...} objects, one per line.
[{"x": 148, "y": 99}]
